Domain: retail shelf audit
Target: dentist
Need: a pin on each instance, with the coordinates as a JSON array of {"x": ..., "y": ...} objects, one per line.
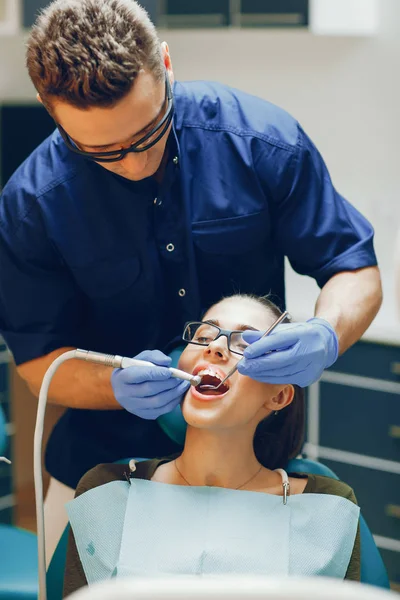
[{"x": 150, "y": 201}]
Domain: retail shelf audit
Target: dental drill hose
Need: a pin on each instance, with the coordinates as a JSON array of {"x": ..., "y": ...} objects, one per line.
[{"x": 109, "y": 360}]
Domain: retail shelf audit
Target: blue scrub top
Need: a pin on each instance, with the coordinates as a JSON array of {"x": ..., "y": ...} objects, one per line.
[{"x": 89, "y": 259}]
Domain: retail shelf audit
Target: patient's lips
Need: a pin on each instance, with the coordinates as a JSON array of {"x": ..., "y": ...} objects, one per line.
[{"x": 211, "y": 376}]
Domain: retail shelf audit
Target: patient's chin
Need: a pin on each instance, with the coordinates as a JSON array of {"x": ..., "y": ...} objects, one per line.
[
  {"x": 201, "y": 421},
  {"x": 202, "y": 415}
]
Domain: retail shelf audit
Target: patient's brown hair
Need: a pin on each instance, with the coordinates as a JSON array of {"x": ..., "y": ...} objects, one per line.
[
  {"x": 280, "y": 437},
  {"x": 89, "y": 52}
]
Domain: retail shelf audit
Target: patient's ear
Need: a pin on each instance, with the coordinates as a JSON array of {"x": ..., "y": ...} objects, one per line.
[{"x": 283, "y": 397}]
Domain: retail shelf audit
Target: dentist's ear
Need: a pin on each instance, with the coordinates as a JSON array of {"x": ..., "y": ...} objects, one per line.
[
  {"x": 167, "y": 61},
  {"x": 38, "y": 98},
  {"x": 283, "y": 397}
]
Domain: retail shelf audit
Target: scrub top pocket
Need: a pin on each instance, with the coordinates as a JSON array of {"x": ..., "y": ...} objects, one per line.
[{"x": 236, "y": 235}]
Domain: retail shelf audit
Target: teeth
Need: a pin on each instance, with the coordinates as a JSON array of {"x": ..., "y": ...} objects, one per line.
[{"x": 209, "y": 372}]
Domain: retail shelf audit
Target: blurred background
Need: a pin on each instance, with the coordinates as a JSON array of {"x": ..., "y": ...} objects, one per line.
[{"x": 334, "y": 65}]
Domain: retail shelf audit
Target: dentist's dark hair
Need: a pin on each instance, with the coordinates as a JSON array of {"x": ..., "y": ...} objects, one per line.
[
  {"x": 90, "y": 52},
  {"x": 279, "y": 437}
]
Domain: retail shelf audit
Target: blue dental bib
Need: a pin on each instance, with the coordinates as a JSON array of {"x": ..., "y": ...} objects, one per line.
[{"x": 152, "y": 529}]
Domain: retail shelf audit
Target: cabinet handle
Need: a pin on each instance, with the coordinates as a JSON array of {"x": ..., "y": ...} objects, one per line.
[
  {"x": 395, "y": 368},
  {"x": 392, "y": 510},
  {"x": 394, "y": 432}
]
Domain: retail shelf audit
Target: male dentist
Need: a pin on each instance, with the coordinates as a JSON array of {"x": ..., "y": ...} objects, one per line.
[{"x": 151, "y": 200}]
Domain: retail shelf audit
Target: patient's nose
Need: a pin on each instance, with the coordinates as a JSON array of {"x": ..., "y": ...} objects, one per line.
[{"x": 218, "y": 348}]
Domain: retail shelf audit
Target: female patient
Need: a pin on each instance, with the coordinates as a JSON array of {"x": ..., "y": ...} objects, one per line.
[{"x": 225, "y": 507}]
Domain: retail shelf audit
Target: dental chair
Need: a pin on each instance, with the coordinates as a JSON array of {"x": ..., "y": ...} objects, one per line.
[
  {"x": 373, "y": 571},
  {"x": 18, "y": 569},
  {"x": 18, "y": 551}
]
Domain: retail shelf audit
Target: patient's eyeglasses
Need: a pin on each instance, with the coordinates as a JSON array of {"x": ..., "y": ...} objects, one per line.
[
  {"x": 203, "y": 333},
  {"x": 145, "y": 143}
]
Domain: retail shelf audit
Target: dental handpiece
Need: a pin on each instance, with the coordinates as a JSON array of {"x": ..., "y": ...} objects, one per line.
[
  {"x": 135, "y": 362},
  {"x": 123, "y": 362}
]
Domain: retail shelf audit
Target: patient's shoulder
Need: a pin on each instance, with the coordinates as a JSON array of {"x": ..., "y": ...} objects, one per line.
[
  {"x": 108, "y": 472},
  {"x": 99, "y": 475},
  {"x": 319, "y": 484}
]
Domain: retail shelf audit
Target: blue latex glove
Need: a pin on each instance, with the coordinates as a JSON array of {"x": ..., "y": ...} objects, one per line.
[
  {"x": 148, "y": 392},
  {"x": 294, "y": 353}
]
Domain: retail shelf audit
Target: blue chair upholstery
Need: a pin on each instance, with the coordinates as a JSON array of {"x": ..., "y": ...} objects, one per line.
[
  {"x": 18, "y": 564},
  {"x": 55, "y": 572}
]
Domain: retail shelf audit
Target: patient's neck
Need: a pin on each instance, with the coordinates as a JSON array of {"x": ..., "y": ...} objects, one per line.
[{"x": 218, "y": 458}]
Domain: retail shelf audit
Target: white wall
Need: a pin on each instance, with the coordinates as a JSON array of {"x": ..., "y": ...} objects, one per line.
[{"x": 344, "y": 91}]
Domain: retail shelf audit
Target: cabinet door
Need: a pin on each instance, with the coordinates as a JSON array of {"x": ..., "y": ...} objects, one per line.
[
  {"x": 378, "y": 495},
  {"x": 391, "y": 561},
  {"x": 30, "y": 10},
  {"x": 273, "y": 13},
  {"x": 360, "y": 420},
  {"x": 367, "y": 359},
  {"x": 196, "y": 13}
]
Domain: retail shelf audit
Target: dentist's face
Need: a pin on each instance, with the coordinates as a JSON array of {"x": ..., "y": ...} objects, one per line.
[
  {"x": 105, "y": 129},
  {"x": 245, "y": 402}
]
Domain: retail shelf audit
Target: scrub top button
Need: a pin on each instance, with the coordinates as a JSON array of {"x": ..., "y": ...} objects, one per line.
[
  {"x": 155, "y": 200},
  {"x": 170, "y": 247},
  {"x": 175, "y": 160},
  {"x": 182, "y": 292}
]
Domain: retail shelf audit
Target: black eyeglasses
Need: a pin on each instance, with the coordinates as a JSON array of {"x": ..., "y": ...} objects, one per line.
[
  {"x": 203, "y": 333},
  {"x": 152, "y": 137}
]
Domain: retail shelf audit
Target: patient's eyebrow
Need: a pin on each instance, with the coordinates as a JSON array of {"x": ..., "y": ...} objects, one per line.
[{"x": 239, "y": 327}]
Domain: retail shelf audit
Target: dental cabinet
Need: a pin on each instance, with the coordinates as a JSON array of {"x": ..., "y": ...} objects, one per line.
[
  {"x": 353, "y": 427},
  {"x": 321, "y": 17}
]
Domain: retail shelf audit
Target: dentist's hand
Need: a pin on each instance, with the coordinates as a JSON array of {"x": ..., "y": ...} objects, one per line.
[
  {"x": 294, "y": 353},
  {"x": 148, "y": 392}
]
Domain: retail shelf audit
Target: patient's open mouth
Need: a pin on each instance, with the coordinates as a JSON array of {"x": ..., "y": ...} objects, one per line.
[{"x": 209, "y": 381}]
